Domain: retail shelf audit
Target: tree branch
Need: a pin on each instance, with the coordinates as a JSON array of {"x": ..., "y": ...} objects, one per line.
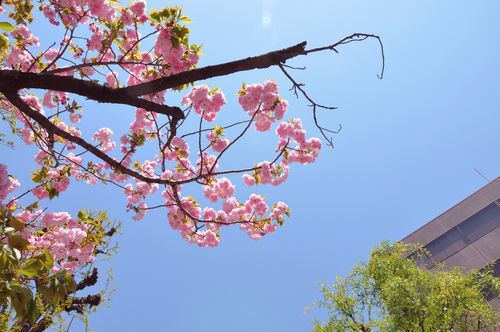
[
  {"x": 89, "y": 280},
  {"x": 256, "y": 62},
  {"x": 13, "y": 80},
  {"x": 52, "y": 129}
]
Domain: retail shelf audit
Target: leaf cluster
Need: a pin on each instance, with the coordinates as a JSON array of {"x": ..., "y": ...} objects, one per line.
[
  {"x": 20, "y": 273},
  {"x": 21, "y": 12},
  {"x": 391, "y": 293},
  {"x": 28, "y": 287}
]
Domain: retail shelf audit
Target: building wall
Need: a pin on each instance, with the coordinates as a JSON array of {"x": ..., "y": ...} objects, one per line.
[{"x": 467, "y": 235}]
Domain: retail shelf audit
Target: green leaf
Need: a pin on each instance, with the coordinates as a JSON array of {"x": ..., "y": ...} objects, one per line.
[
  {"x": 4, "y": 42},
  {"x": 113, "y": 2},
  {"x": 120, "y": 43},
  {"x": 6, "y": 26},
  {"x": 33, "y": 311},
  {"x": 49, "y": 260},
  {"x": 11, "y": 254},
  {"x": 4, "y": 292},
  {"x": 48, "y": 292},
  {"x": 33, "y": 269},
  {"x": 17, "y": 224},
  {"x": 16, "y": 241},
  {"x": 21, "y": 297},
  {"x": 3, "y": 259},
  {"x": 70, "y": 283},
  {"x": 154, "y": 16},
  {"x": 52, "y": 192},
  {"x": 185, "y": 19}
]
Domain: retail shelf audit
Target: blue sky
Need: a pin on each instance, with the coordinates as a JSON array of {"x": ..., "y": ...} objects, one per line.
[{"x": 406, "y": 153}]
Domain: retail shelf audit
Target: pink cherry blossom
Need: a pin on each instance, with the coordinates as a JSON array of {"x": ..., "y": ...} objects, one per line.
[
  {"x": 103, "y": 137},
  {"x": 7, "y": 184},
  {"x": 75, "y": 117},
  {"x": 138, "y": 8},
  {"x": 205, "y": 102},
  {"x": 40, "y": 193}
]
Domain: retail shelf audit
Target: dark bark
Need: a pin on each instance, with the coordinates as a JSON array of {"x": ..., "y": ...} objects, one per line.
[
  {"x": 13, "y": 80},
  {"x": 78, "y": 303},
  {"x": 52, "y": 129},
  {"x": 89, "y": 280},
  {"x": 256, "y": 62}
]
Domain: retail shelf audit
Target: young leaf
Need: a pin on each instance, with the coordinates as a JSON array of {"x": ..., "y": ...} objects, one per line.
[
  {"x": 6, "y": 26},
  {"x": 17, "y": 242}
]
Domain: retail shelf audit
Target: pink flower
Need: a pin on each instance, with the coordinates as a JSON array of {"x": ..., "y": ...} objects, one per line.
[
  {"x": 33, "y": 102},
  {"x": 103, "y": 137},
  {"x": 95, "y": 40},
  {"x": 19, "y": 58},
  {"x": 40, "y": 193},
  {"x": 102, "y": 9},
  {"x": 229, "y": 204},
  {"x": 205, "y": 102},
  {"x": 27, "y": 136},
  {"x": 7, "y": 184},
  {"x": 142, "y": 211},
  {"x": 218, "y": 143},
  {"x": 264, "y": 99},
  {"x": 209, "y": 214},
  {"x": 256, "y": 204},
  {"x": 270, "y": 228},
  {"x": 51, "y": 54},
  {"x": 162, "y": 44},
  {"x": 47, "y": 100},
  {"x": 249, "y": 180},
  {"x": 138, "y": 8},
  {"x": 40, "y": 156},
  {"x": 126, "y": 17},
  {"x": 50, "y": 14},
  {"x": 24, "y": 33},
  {"x": 62, "y": 184},
  {"x": 75, "y": 117},
  {"x": 209, "y": 239},
  {"x": 278, "y": 210},
  {"x": 88, "y": 71},
  {"x": 55, "y": 219},
  {"x": 111, "y": 79}
]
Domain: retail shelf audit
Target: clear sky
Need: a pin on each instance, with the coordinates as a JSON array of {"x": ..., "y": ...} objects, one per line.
[{"x": 406, "y": 153}]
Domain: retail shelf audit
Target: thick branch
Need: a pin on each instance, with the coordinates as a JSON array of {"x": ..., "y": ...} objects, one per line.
[
  {"x": 78, "y": 303},
  {"x": 89, "y": 280},
  {"x": 42, "y": 325},
  {"x": 52, "y": 129},
  {"x": 13, "y": 80},
  {"x": 256, "y": 62}
]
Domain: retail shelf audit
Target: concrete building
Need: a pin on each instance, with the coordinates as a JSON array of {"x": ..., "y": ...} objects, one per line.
[{"x": 466, "y": 235}]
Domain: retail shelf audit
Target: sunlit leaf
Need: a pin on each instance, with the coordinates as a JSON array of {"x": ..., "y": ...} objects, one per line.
[{"x": 6, "y": 26}]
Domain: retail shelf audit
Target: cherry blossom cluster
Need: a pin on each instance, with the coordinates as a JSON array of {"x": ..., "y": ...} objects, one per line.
[
  {"x": 186, "y": 216},
  {"x": 217, "y": 141},
  {"x": 263, "y": 102},
  {"x": 205, "y": 102},
  {"x": 103, "y": 136},
  {"x": 7, "y": 183},
  {"x": 64, "y": 238},
  {"x": 306, "y": 151}
]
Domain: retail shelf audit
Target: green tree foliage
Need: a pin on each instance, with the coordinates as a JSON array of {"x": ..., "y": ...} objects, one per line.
[
  {"x": 391, "y": 293},
  {"x": 31, "y": 291}
]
